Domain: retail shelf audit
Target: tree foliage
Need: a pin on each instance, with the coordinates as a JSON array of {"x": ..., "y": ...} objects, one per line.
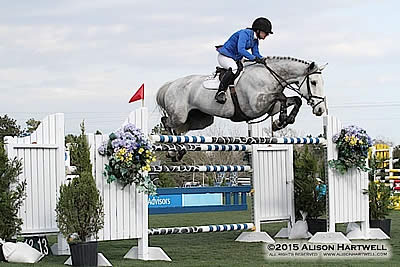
[
  {"x": 80, "y": 152},
  {"x": 8, "y": 127},
  {"x": 309, "y": 165},
  {"x": 12, "y": 194},
  {"x": 32, "y": 125}
]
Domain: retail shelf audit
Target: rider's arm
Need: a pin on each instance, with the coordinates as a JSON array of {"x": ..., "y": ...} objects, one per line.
[
  {"x": 254, "y": 50},
  {"x": 243, "y": 37}
]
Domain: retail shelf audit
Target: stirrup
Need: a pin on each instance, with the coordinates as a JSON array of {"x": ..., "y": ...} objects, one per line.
[{"x": 220, "y": 97}]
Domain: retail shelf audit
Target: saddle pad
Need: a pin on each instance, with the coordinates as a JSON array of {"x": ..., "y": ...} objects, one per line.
[{"x": 212, "y": 83}]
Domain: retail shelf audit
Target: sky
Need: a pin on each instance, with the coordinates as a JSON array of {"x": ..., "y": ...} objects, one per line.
[{"x": 87, "y": 58}]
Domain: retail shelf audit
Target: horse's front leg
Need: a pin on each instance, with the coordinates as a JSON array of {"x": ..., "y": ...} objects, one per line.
[
  {"x": 282, "y": 121},
  {"x": 294, "y": 101},
  {"x": 175, "y": 156}
]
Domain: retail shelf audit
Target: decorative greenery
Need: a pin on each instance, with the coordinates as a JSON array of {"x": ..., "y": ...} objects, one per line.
[
  {"x": 130, "y": 154},
  {"x": 12, "y": 194},
  {"x": 79, "y": 209},
  {"x": 352, "y": 144},
  {"x": 379, "y": 200},
  {"x": 80, "y": 152},
  {"x": 308, "y": 194}
]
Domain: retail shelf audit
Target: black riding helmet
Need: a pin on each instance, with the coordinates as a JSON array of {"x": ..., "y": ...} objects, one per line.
[{"x": 262, "y": 24}]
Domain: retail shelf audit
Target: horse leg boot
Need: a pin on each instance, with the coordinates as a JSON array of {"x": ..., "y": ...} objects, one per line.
[{"x": 226, "y": 80}]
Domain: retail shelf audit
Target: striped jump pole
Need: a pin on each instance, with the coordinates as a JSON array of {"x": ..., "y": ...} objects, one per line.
[
  {"x": 392, "y": 170},
  {"x": 201, "y": 168},
  {"x": 201, "y": 229},
  {"x": 200, "y": 147},
  {"x": 234, "y": 140}
]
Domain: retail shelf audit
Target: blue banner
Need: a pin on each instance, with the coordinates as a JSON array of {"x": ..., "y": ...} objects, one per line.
[{"x": 165, "y": 201}]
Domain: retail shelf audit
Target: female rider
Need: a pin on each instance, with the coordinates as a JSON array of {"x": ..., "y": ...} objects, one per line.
[{"x": 236, "y": 48}]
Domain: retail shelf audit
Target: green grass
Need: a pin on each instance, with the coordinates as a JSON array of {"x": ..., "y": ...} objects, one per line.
[{"x": 216, "y": 249}]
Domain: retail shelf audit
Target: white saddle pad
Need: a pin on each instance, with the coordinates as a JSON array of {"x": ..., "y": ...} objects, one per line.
[{"x": 212, "y": 83}]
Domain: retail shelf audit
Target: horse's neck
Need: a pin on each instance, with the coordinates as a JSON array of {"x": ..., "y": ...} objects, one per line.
[{"x": 287, "y": 69}]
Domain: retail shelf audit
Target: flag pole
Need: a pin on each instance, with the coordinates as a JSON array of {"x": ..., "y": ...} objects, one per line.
[{"x": 143, "y": 99}]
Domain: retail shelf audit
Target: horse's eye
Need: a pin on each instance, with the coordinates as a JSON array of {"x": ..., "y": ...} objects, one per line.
[{"x": 314, "y": 83}]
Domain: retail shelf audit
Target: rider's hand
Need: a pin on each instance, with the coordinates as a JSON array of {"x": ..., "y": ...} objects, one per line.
[{"x": 260, "y": 60}]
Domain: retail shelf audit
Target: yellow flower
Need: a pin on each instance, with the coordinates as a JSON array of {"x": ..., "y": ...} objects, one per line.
[
  {"x": 147, "y": 161},
  {"x": 140, "y": 150},
  {"x": 153, "y": 159}
]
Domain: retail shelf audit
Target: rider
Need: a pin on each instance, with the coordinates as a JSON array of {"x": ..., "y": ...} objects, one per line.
[{"x": 236, "y": 48}]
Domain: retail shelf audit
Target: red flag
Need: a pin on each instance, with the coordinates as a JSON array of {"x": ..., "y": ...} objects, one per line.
[{"x": 138, "y": 95}]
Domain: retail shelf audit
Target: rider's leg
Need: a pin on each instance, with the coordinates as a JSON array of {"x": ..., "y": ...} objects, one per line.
[{"x": 228, "y": 78}]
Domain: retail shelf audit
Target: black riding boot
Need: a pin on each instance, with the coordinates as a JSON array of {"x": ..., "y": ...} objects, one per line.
[{"x": 226, "y": 80}]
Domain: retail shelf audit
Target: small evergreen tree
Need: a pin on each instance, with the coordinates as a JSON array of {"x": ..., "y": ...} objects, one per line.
[
  {"x": 12, "y": 194},
  {"x": 80, "y": 152},
  {"x": 307, "y": 197},
  {"x": 379, "y": 200},
  {"x": 80, "y": 207}
]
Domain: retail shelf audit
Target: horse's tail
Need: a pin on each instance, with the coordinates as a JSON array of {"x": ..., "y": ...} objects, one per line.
[{"x": 160, "y": 97}]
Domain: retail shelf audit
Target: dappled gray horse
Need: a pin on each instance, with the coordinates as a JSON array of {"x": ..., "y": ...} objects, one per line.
[{"x": 188, "y": 105}]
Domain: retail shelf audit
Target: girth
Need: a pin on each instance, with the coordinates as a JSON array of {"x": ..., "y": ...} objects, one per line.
[{"x": 238, "y": 114}]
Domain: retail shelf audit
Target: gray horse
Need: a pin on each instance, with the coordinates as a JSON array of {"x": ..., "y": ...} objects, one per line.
[{"x": 188, "y": 105}]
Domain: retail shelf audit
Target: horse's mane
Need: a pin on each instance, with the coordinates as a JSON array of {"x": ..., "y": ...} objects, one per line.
[{"x": 277, "y": 58}]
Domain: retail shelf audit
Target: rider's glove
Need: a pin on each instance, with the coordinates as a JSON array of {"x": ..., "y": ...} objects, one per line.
[{"x": 260, "y": 60}]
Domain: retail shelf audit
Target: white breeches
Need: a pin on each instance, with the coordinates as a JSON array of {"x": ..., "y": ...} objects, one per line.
[{"x": 226, "y": 62}]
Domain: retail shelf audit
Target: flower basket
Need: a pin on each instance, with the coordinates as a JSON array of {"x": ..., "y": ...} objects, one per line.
[
  {"x": 352, "y": 143},
  {"x": 129, "y": 153}
]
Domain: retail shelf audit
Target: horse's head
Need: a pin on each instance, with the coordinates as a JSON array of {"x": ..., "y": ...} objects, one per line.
[{"x": 311, "y": 87}]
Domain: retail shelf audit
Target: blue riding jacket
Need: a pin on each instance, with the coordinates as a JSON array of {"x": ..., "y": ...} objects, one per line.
[{"x": 237, "y": 45}]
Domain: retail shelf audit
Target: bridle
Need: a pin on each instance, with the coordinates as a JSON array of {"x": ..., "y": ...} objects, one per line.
[{"x": 310, "y": 98}]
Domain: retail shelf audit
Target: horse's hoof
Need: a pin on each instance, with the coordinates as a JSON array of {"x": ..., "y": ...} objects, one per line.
[{"x": 276, "y": 126}]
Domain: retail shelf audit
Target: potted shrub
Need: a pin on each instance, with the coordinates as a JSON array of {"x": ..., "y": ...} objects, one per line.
[
  {"x": 379, "y": 203},
  {"x": 12, "y": 194},
  {"x": 79, "y": 209},
  {"x": 309, "y": 191}
]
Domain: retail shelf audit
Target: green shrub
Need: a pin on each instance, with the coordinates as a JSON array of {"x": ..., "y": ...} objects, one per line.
[
  {"x": 80, "y": 208},
  {"x": 379, "y": 200},
  {"x": 308, "y": 165},
  {"x": 12, "y": 194}
]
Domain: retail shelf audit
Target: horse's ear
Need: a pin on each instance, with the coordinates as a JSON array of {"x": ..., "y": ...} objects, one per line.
[
  {"x": 311, "y": 67},
  {"x": 323, "y": 67}
]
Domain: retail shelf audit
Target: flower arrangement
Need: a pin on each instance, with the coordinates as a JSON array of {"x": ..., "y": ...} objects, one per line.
[
  {"x": 130, "y": 154},
  {"x": 352, "y": 144}
]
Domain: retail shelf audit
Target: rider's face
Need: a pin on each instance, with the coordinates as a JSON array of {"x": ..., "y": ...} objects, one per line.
[{"x": 263, "y": 35}]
